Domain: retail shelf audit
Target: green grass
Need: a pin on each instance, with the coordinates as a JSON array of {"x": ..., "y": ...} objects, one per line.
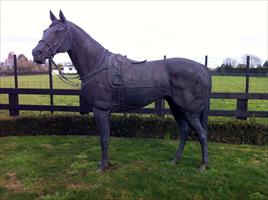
[
  {"x": 63, "y": 168},
  {"x": 237, "y": 84},
  {"x": 220, "y": 84},
  {"x": 36, "y": 81}
]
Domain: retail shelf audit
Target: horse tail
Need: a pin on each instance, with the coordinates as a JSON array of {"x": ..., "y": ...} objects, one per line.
[{"x": 205, "y": 112}]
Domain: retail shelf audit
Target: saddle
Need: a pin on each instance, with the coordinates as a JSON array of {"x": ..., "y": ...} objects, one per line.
[{"x": 126, "y": 73}]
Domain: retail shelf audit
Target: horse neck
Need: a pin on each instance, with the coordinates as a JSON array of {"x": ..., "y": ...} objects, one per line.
[{"x": 85, "y": 52}]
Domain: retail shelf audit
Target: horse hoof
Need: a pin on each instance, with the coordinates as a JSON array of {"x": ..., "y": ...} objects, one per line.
[
  {"x": 100, "y": 171},
  {"x": 102, "y": 167},
  {"x": 174, "y": 161},
  {"x": 203, "y": 168}
]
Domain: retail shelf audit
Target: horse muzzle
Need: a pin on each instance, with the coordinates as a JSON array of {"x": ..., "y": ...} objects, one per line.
[
  {"x": 40, "y": 54},
  {"x": 39, "y": 57}
]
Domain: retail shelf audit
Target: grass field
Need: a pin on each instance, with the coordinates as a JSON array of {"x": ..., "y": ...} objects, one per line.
[
  {"x": 65, "y": 168},
  {"x": 220, "y": 84}
]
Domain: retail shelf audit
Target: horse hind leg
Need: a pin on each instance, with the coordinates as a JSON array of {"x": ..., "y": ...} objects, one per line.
[
  {"x": 184, "y": 133},
  {"x": 184, "y": 129},
  {"x": 195, "y": 124}
]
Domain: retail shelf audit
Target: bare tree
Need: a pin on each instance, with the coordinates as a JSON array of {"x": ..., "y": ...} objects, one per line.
[
  {"x": 255, "y": 61},
  {"x": 232, "y": 62},
  {"x": 9, "y": 60}
]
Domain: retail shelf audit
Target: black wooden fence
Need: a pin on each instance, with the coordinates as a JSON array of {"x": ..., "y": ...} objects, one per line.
[{"x": 13, "y": 105}]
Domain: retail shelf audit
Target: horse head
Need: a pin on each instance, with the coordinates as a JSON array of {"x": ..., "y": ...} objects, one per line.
[{"x": 56, "y": 39}]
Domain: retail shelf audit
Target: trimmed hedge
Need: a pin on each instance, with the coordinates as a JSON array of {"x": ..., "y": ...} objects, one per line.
[{"x": 231, "y": 131}]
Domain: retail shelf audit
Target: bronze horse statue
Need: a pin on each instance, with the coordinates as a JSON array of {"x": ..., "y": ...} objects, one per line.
[{"x": 111, "y": 82}]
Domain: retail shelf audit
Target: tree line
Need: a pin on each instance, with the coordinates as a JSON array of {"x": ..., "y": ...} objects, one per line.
[
  {"x": 229, "y": 65},
  {"x": 24, "y": 65},
  {"x": 233, "y": 66}
]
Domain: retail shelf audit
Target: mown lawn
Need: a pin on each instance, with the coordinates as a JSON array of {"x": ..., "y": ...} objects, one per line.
[{"x": 65, "y": 167}]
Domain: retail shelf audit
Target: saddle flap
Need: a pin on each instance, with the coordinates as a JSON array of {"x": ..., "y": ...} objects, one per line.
[{"x": 123, "y": 73}]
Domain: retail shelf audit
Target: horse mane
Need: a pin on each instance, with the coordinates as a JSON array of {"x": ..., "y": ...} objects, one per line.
[{"x": 82, "y": 31}]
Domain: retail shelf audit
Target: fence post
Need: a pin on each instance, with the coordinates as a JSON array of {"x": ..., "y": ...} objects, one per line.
[
  {"x": 13, "y": 98},
  {"x": 242, "y": 104},
  {"x": 13, "y": 101},
  {"x": 206, "y": 60},
  {"x": 159, "y": 106},
  {"x": 15, "y": 71},
  {"x": 247, "y": 76},
  {"x": 50, "y": 85},
  {"x": 83, "y": 106}
]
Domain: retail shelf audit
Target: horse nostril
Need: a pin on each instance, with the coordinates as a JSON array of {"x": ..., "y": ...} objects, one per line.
[{"x": 38, "y": 52}]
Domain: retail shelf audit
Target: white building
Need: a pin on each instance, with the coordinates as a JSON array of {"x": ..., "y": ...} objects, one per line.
[
  {"x": 66, "y": 69},
  {"x": 69, "y": 69}
]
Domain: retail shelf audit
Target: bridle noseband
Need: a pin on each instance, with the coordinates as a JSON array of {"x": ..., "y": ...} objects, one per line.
[{"x": 49, "y": 46}]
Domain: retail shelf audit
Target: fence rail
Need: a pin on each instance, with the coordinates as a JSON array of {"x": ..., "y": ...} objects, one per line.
[{"x": 13, "y": 105}]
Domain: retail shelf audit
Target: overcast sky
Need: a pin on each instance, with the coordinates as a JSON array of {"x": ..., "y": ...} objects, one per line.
[{"x": 145, "y": 29}]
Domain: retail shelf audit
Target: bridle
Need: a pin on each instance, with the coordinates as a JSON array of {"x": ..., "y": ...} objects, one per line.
[
  {"x": 53, "y": 52},
  {"x": 61, "y": 75},
  {"x": 86, "y": 77},
  {"x": 49, "y": 46}
]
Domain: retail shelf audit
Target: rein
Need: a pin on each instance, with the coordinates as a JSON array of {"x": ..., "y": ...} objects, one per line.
[
  {"x": 63, "y": 77},
  {"x": 88, "y": 76}
]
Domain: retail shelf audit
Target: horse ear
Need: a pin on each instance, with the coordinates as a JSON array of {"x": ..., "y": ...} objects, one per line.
[
  {"x": 62, "y": 18},
  {"x": 52, "y": 16}
]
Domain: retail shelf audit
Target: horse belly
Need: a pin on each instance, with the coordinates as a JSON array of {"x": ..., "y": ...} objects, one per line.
[
  {"x": 133, "y": 98},
  {"x": 144, "y": 83}
]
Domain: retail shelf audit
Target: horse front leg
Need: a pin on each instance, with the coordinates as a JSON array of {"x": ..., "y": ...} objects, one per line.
[{"x": 102, "y": 121}]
